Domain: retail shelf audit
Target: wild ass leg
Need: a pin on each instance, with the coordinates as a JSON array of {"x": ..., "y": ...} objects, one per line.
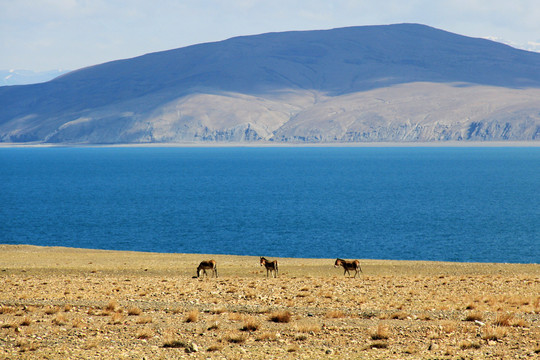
[{"x": 357, "y": 268}]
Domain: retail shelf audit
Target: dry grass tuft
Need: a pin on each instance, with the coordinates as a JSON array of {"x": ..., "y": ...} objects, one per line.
[
  {"x": 192, "y": 316},
  {"x": 144, "y": 333},
  {"x": 52, "y": 310},
  {"x": 134, "y": 311},
  {"x": 7, "y": 310},
  {"x": 410, "y": 349},
  {"x": 218, "y": 310},
  {"x": 433, "y": 334},
  {"x": 250, "y": 324},
  {"x": 281, "y": 317},
  {"x": 9, "y": 325},
  {"x": 307, "y": 326},
  {"x": 112, "y": 306},
  {"x": 448, "y": 326},
  {"x": 25, "y": 345},
  {"x": 26, "y": 322},
  {"x": 493, "y": 333},
  {"x": 268, "y": 335},
  {"x": 214, "y": 347},
  {"x": 474, "y": 316},
  {"x": 176, "y": 311},
  {"x": 503, "y": 319},
  {"x": 173, "y": 343},
  {"x": 293, "y": 348},
  {"x": 236, "y": 338},
  {"x": 235, "y": 316},
  {"x": 92, "y": 344},
  {"x": 250, "y": 294},
  {"x": 116, "y": 319},
  {"x": 77, "y": 323},
  {"x": 377, "y": 345},
  {"x": 517, "y": 322},
  {"x": 59, "y": 320},
  {"x": 144, "y": 320},
  {"x": 400, "y": 315},
  {"x": 465, "y": 345},
  {"x": 382, "y": 332}
]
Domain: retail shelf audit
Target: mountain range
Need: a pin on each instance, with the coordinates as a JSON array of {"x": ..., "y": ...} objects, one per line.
[{"x": 398, "y": 83}]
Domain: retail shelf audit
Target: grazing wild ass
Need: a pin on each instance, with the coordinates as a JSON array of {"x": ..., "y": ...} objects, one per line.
[
  {"x": 270, "y": 266},
  {"x": 207, "y": 265},
  {"x": 348, "y": 265}
]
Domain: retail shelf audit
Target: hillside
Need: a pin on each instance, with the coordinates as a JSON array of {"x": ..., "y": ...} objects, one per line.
[{"x": 404, "y": 82}]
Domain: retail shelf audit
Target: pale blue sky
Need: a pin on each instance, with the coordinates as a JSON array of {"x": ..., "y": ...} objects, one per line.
[{"x": 69, "y": 34}]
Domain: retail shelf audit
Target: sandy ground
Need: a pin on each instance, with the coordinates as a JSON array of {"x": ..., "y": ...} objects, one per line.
[{"x": 61, "y": 303}]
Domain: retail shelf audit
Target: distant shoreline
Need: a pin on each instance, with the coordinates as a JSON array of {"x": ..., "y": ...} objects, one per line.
[
  {"x": 6, "y": 249},
  {"x": 38, "y": 256},
  {"x": 456, "y": 144}
]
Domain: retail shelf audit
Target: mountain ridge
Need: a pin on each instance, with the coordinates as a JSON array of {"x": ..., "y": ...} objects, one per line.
[{"x": 271, "y": 80}]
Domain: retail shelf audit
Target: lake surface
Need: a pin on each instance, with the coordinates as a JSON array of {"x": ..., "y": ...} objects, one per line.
[{"x": 448, "y": 204}]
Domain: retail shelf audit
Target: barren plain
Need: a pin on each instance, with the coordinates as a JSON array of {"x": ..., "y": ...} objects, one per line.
[{"x": 63, "y": 303}]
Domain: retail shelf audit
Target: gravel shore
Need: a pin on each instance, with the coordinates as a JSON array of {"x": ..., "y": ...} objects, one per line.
[{"x": 63, "y": 303}]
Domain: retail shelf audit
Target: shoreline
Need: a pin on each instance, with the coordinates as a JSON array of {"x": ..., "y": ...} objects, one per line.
[
  {"x": 9, "y": 247},
  {"x": 36, "y": 258},
  {"x": 449, "y": 144}
]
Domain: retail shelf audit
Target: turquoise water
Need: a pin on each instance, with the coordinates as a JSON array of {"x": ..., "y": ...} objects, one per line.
[{"x": 448, "y": 204}]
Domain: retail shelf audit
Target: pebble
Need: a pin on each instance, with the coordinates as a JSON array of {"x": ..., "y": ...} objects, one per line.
[{"x": 192, "y": 348}]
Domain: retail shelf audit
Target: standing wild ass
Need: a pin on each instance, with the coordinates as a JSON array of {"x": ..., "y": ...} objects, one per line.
[
  {"x": 270, "y": 266},
  {"x": 348, "y": 265}
]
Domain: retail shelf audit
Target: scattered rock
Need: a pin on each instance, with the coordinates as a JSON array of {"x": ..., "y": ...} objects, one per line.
[{"x": 191, "y": 347}]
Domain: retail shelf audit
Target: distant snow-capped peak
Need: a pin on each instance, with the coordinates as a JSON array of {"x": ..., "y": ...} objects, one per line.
[
  {"x": 25, "y": 77},
  {"x": 529, "y": 45}
]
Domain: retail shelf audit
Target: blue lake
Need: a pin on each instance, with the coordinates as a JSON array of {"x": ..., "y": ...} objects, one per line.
[{"x": 410, "y": 203}]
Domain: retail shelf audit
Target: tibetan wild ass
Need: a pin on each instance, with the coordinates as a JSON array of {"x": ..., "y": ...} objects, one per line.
[
  {"x": 348, "y": 265},
  {"x": 207, "y": 265},
  {"x": 270, "y": 266}
]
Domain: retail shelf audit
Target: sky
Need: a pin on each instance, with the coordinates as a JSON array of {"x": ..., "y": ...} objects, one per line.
[{"x": 42, "y": 35}]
